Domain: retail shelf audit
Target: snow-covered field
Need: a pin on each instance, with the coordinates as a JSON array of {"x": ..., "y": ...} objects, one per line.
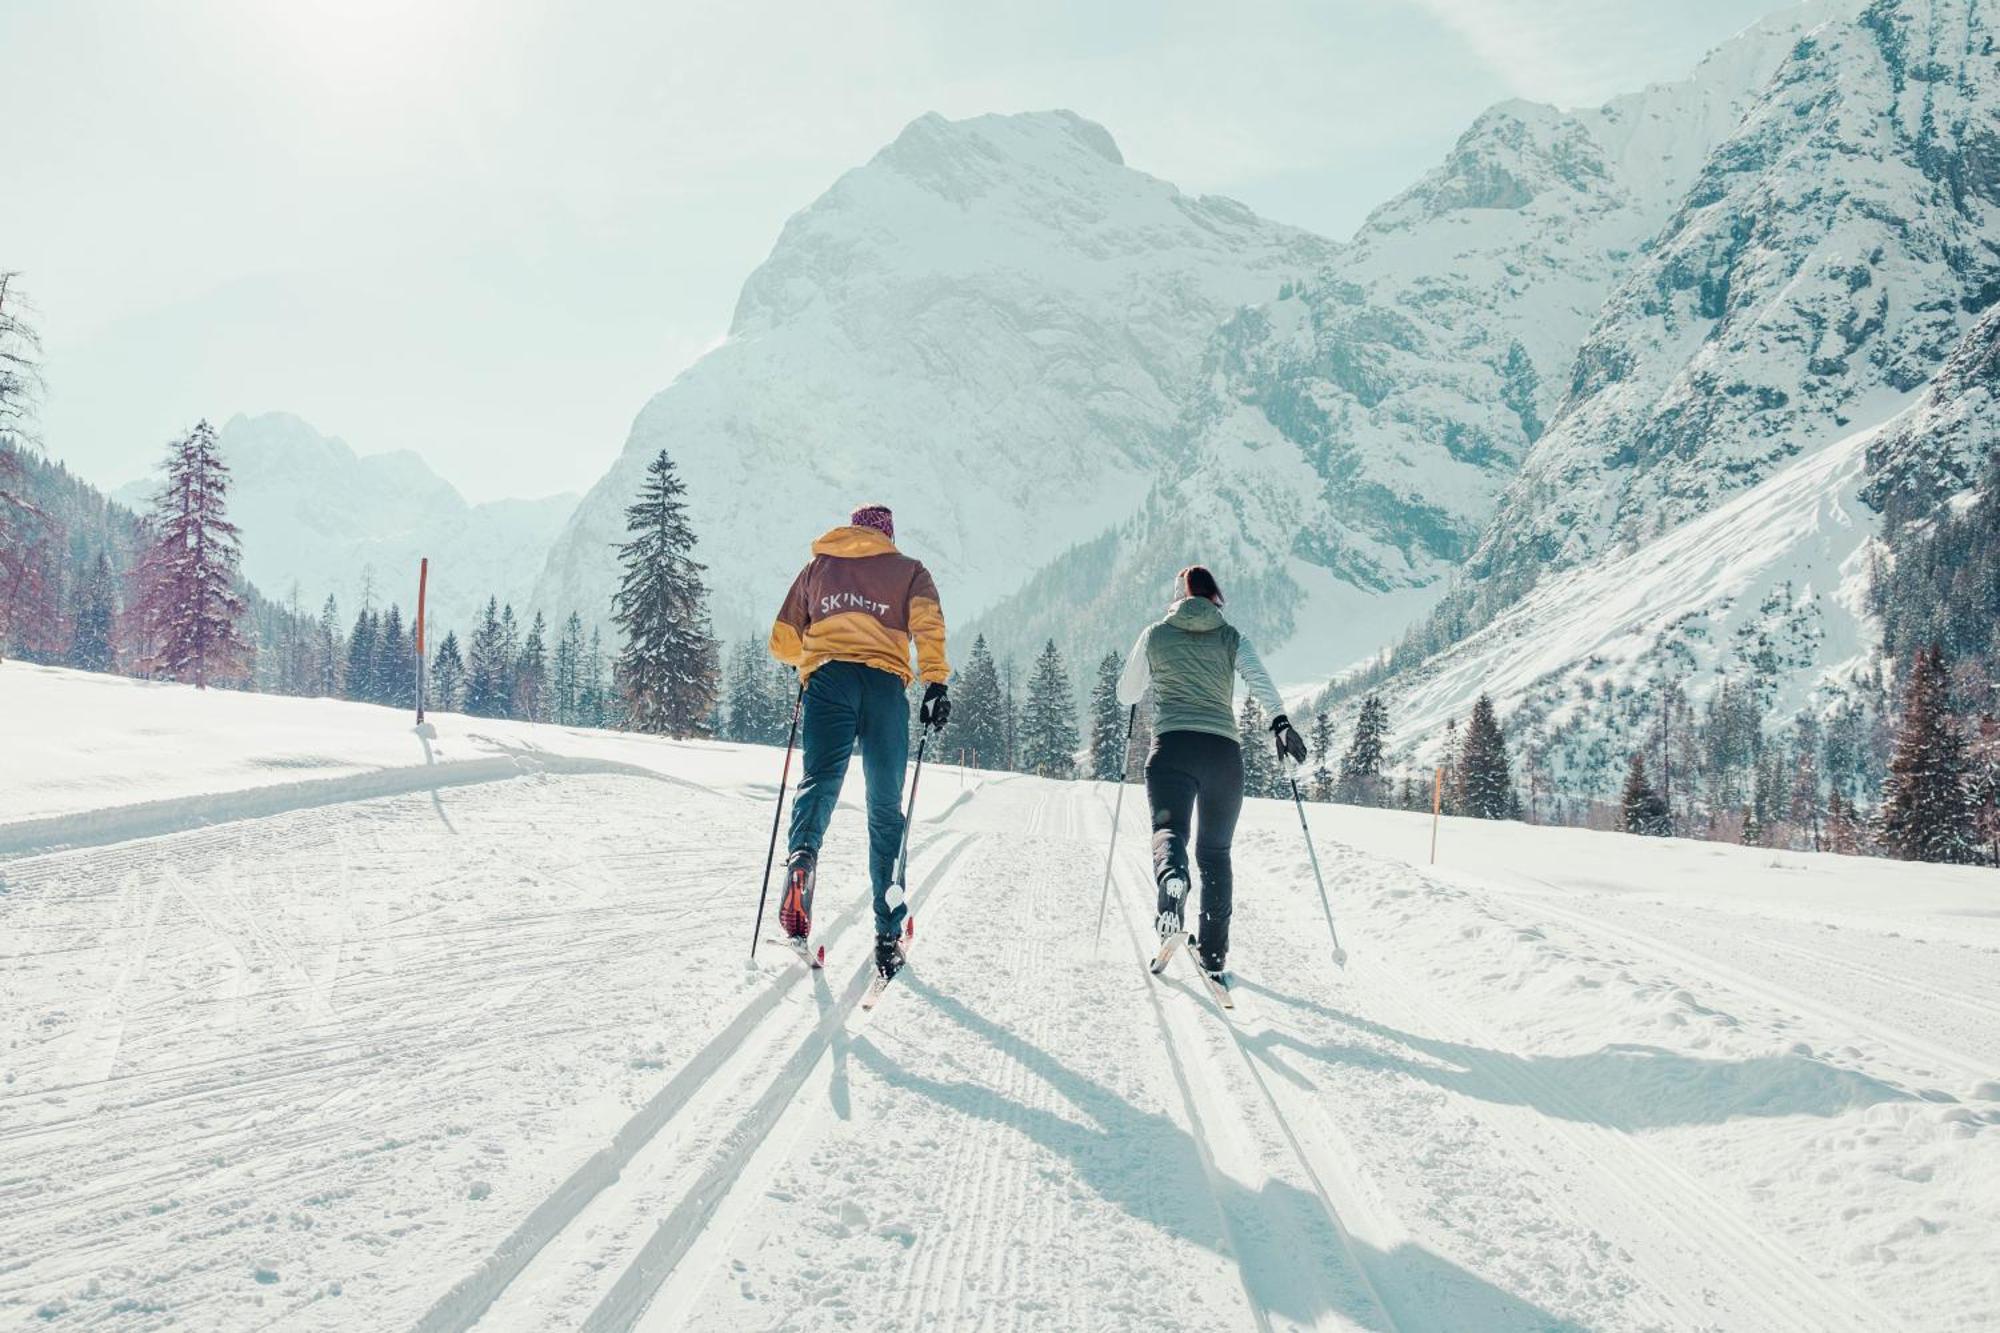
[{"x": 306, "y": 1023}]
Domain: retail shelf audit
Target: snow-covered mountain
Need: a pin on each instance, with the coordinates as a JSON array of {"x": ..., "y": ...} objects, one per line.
[
  {"x": 315, "y": 513},
  {"x": 1347, "y": 443},
  {"x": 1801, "y": 350},
  {"x": 990, "y": 326},
  {"x": 1832, "y": 252}
]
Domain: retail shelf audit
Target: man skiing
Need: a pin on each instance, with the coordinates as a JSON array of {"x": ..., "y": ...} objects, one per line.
[
  {"x": 847, "y": 625},
  {"x": 1191, "y": 659}
]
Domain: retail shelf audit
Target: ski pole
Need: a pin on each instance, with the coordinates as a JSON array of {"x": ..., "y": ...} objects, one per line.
[
  {"x": 903, "y": 855},
  {"x": 1339, "y": 954},
  {"x": 1117, "y": 808},
  {"x": 772, "y": 855}
]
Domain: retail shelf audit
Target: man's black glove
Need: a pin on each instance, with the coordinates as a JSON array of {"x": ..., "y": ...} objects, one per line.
[
  {"x": 1288, "y": 743},
  {"x": 936, "y": 709}
]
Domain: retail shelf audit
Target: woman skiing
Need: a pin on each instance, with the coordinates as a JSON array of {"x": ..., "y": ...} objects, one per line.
[{"x": 1194, "y": 773}]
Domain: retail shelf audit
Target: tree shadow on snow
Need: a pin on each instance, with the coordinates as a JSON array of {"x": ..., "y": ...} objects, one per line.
[
  {"x": 1151, "y": 1168},
  {"x": 1624, "y": 1086}
]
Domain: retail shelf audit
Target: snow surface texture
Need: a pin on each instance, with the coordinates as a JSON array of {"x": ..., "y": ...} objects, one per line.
[
  {"x": 316, "y": 1053},
  {"x": 314, "y": 513},
  {"x": 987, "y": 327}
]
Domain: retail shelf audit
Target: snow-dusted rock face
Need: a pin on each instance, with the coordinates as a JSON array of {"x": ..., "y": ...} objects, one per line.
[
  {"x": 1831, "y": 253},
  {"x": 1938, "y": 450},
  {"x": 1768, "y": 590},
  {"x": 990, "y": 326},
  {"x": 1346, "y": 444},
  {"x": 315, "y": 513}
]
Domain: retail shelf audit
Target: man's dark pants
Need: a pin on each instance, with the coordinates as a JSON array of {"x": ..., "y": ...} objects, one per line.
[{"x": 848, "y": 704}]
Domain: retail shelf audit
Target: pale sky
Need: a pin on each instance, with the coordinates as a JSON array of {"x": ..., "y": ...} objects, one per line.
[{"x": 490, "y": 231}]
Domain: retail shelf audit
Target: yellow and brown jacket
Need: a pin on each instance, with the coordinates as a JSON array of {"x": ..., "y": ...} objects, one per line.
[{"x": 861, "y": 600}]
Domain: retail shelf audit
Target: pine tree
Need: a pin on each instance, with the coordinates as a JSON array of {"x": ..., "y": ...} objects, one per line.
[
  {"x": 1843, "y": 825},
  {"x": 592, "y": 705},
  {"x": 1049, "y": 739},
  {"x": 1485, "y": 786},
  {"x": 566, "y": 676},
  {"x": 1986, "y": 784},
  {"x": 362, "y": 658},
  {"x": 977, "y": 709},
  {"x": 395, "y": 669},
  {"x": 1361, "y": 781},
  {"x": 330, "y": 649},
  {"x": 486, "y": 671},
  {"x": 190, "y": 606},
  {"x": 509, "y": 661},
  {"x": 447, "y": 683},
  {"x": 783, "y": 696},
  {"x": 1804, "y": 807},
  {"x": 667, "y": 673},
  {"x": 531, "y": 674},
  {"x": 1260, "y": 763},
  {"x": 1107, "y": 721},
  {"x": 750, "y": 712},
  {"x": 1010, "y": 719},
  {"x": 1448, "y": 757},
  {"x": 91, "y": 647},
  {"x": 1927, "y": 805},
  {"x": 1322, "y": 753},
  {"x": 1645, "y": 811}
]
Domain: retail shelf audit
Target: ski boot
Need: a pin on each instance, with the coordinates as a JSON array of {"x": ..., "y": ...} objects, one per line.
[
  {"x": 1173, "y": 890},
  {"x": 889, "y": 957},
  {"x": 1171, "y": 931},
  {"x": 795, "y": 907}
]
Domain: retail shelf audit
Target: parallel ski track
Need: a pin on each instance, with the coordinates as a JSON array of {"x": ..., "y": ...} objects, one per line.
[
  {"x": 154, "y": 819},
  {"x": 1916, "y": 1049},
  {"x": 1680, "y": 1204},
  {"x": 635, "y": 1287},
  {"x": 973, "y": 1180},
  {"x": 473, "y": 1295},
  {"x": 1123, "y": 876}
]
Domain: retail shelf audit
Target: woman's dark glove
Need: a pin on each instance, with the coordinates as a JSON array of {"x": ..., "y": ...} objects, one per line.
[{"x": 1289, "y": 744}]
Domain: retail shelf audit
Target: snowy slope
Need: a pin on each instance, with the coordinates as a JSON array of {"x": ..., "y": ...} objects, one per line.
[
  {"x": 989, "y": 326},
  {"x": 314, "y": 512},
  {"x": 487, "y": 1053},
  {"x": 1346, "y": 444},
  {"x": 1771, "y": 588},
  {"x": 1832, "y": 252}
]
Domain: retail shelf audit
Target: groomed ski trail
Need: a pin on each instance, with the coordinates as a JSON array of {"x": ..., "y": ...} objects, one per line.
[{"x": 465, "y": 1056}]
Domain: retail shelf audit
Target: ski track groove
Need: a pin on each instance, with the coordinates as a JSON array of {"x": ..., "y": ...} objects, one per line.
[
  {"x": 634, "y": 1288},
  {"x": 257, "y": 1087},
  {"x": 1198, "y": 1129},
  {"x": 1338, "y": 1299},
  {"x": 1914, "y": 1049},
  {"x": 472, "y": 1297},
  {"x": 1643, "y": 1174}
]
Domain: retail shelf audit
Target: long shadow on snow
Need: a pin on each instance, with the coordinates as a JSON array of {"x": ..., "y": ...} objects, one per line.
[
  {"x": 1150, "y": 1167},
  {"x": 1623, "y": 1086}
]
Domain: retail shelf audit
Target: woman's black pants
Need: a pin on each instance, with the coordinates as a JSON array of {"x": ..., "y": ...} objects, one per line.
[{"x": 1193, "y": 777}]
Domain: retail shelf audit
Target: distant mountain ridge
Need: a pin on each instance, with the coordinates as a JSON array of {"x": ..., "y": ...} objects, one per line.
[
  {"x": 314, "y": 512},
  {"x": 990, "y": 326}
]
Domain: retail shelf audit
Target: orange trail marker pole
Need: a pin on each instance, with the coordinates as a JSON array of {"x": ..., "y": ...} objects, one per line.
[
  {"x": 423, "y": 584},
  {"x": 1437, "y": 805}
]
